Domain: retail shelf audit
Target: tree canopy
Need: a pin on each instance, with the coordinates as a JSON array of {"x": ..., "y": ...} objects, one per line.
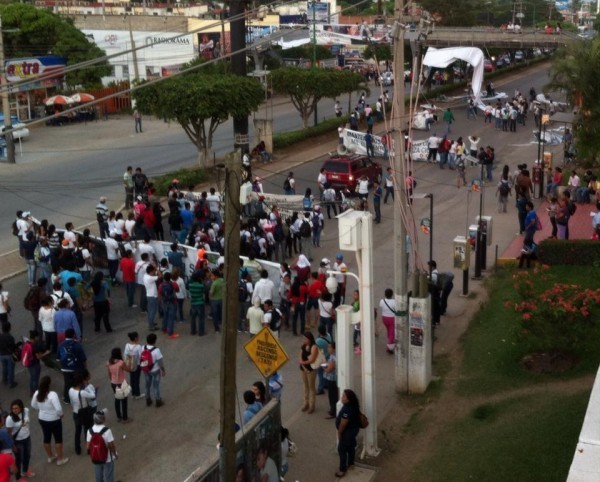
[
  {"x": 575, "y": 71},
  {"x": 200, "y": 102},
  {"x": 40, "y": 32},
  {"x": 306, "y": 87}
]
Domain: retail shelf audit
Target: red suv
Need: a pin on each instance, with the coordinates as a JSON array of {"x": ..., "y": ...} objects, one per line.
[{"x": 343, "y": 171}]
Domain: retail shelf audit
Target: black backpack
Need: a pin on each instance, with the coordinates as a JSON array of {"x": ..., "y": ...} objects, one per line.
[
  {"x": 504, "y": 188},
  {"x": 286, "y": 185},
  {"x": 15, "y": 228},
  {"x": 278, "y": 233},
  {"x": 572, "y": 208},
  {"x": 78, "y": 256},
  {"x": 242, "y": 290},
  {"x": 305, "y": 229},
  {"x": 275, "y": 323}
]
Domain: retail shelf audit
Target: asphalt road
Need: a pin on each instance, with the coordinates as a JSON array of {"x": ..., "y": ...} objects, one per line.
[
  {"x": 64, "y": 170},
  {"x": 168, "y": 443}
]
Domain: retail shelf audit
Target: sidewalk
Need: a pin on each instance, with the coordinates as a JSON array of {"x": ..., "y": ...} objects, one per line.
[{"x": 580, "y": 227}]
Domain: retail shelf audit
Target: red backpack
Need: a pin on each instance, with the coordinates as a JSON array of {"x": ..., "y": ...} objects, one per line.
[
  {"x": 146, "y": 361},
  {"x": 98, "y": 449},
  {"x": 27, "y": 355}
]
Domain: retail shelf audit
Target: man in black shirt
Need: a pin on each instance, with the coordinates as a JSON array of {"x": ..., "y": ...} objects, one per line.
[{"x": 7, "y": 347}]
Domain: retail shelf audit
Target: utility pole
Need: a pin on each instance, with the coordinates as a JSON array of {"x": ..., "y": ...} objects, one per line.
[
  {"x": 314, "y": 48},
  {"x": 399, "y": 172},
  {"x": 237, "y": 30},
  {"x": 136, "y": 72},
  {"x": 8, "y": 135},
  {"x": 230, "y": 316}
]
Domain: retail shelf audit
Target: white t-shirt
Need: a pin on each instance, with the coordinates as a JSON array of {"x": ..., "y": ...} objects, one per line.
[
  {"x": 156, "y": 355},
  {"x": 140, "y": 271},
  {"x": 150, "y": 284},
  {"x": 325, "y": 309},
  {"x": 50, "y": 409},
  {"x": 264, "y": 290},
  {"x": 340, "y": 267},
  {"x": 129, "y": 225},
  {"x": 255, "y": 319},
  {"x": 112, "y": 249},
  {"x": 71, "y": 236},
  {"x": 3, "y": 298},
  {"x": 181, "y": 294},
  {"x": 23, "y": 428},
  {"x": 85, "y": 253},
  {"x": 59, "y": 295},
  {"x": 433, "y": 142},
  {"x": 46, "y": 317},
  {"x": 363, "y": 186},
  {"x": 321, "y": 179},
  {"x": 23, "y": 227},
  {"x": 134, "y": 350},
  {"x": 214, "y": 201},
  {"x": 107, "y": 436},
  {"x": 86, "y": 398},
  {"x": 388, "y": 307}
]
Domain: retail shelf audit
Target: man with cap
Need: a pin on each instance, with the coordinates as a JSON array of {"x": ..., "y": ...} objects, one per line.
[
  {"x": 103, "y": 471},
  {"x": 340, "y": 294},
  {"x": 102, "y": 217}
]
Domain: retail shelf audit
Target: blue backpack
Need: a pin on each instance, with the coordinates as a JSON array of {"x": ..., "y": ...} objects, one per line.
[{"x": 168, "y": 292}]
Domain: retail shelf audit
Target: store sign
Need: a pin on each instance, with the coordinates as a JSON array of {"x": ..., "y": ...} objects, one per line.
[{"x": 20, "y": 69}]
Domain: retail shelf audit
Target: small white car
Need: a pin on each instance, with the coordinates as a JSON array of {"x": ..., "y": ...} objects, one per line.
[{"x": 20, "y": 129}]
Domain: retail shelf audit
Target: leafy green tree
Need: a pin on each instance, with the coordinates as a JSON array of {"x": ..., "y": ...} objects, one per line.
[
  {"x": 200, "y": 102},
  {"x": 40, "y": 32},
  {"x": 306, "y": 52},
  {"x": 575, "y": 72},
  {"x": 451, "y": 13},
  {"x": 306, "y": 87},
  {"x": 379, "y": 51}
]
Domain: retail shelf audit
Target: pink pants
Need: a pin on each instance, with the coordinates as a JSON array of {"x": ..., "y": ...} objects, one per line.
[{"x": 388, "y": 321}]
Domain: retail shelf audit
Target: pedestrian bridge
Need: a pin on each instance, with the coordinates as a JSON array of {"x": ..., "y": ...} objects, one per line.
[{"x": 491, "y": 37}]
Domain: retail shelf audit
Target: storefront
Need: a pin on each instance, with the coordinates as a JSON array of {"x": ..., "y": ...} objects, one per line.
[{"x": 26, "y": 93}]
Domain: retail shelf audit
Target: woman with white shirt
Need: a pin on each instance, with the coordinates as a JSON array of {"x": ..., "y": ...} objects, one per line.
[
  {"x": 17, "y": 424},
  {"x": 50, "y": 418},
  {"x": 81, "y": 399},
  {"x": 387, "y": 307},
  {"x": 46, "y": 317},
  {"x": 132, "y": 353}
]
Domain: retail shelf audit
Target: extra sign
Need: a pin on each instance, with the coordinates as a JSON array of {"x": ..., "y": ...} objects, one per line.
[{"x": 266, "y": 352}]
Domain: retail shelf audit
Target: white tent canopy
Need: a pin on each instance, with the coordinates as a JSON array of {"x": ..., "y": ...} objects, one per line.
[{"x": 442, "y": 58}]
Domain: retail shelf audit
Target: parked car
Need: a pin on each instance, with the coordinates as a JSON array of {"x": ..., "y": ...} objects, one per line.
[
  {"x": 500, "y": 63},
  {"x": 343, "y": 171},
  {"x": 20, "y": 129},
  {"x": 519, "y": 56},
  {"x": 488, "y": 65}
]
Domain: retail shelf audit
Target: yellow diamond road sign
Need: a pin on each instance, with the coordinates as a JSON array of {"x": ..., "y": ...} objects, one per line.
[{"x": 266, "y": 352}]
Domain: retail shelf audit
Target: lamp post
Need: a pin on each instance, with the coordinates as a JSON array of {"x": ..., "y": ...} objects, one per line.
[
  {"x": 356, "y": 234},
  {"x": 479, "y": 242},
  {"x": 314, "y": 47}
]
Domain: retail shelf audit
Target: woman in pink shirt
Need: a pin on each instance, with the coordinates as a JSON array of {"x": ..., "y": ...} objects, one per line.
[{"x": 116, "y": 373}]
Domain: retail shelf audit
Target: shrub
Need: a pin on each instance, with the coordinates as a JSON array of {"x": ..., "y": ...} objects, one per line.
[
  {"x": 572, "y": 252},
  {"x": 186, "y": 177},
  {"x": 556, "y": 316}
]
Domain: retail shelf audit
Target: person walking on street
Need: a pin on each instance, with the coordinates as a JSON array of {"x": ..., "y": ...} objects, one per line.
[
  {"x": 7, "y": 348},
  {"x": 387, "y": 308},
  {"x": 116, "y": 373},
  {"x": 128, "y": 183},
  {"x": 103, "y": 471},
  {"x": 137, "y": 118},
  {"x": 151, "y": 362},
  {"x": 18, "y": 424},
  {"x": 448, "y": 119},
  {"x": 389, "y": 185},
  {"x": 330, "y": 376},
  {"x": 377, "y": 193},
  {"x": 102, "y": 217},
  {"x": 82, "y": 403},
  {"x": 50, "y": 417},
  {"x": 132, "y": 353},
  {"x": 72, "y": 360},
  {"x": 347, "y": 424},
  {"x": 308, "y": 355}
]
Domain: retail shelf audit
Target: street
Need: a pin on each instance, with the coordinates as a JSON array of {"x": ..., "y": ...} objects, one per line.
[{"x": 167, "y": 443}]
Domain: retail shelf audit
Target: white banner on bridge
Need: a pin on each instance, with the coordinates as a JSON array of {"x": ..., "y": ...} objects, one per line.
[{"x": 355, "y": 142}]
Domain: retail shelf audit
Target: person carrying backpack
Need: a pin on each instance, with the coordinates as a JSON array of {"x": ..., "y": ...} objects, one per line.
[
  {"x": 151, "y": 364},
  {"x": 272, "y": 318},
  {"x": 318, "y": 223},
  {"x": 167, "y": 294},
  {"x": 72, "y": 360},
  {"x": 102, "y": 449}
]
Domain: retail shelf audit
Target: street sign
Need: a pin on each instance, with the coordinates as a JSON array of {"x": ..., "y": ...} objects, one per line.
[{"x": 266, "y": 352}]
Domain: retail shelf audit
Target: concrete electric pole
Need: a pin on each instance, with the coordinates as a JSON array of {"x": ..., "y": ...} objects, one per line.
[
  {"x": 233, "y": 174},
  {"x": 400, "y": 204},
  {"x": 237, "y": 28}
]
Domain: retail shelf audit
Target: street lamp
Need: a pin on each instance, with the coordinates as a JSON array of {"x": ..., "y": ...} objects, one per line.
[{"x": 313, "y": 5}]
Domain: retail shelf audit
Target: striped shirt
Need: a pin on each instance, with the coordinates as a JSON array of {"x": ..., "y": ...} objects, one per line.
[{"x": 196, "y": 293}]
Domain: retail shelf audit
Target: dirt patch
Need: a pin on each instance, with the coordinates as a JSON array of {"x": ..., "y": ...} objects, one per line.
[{"x": 551, "y": 362}]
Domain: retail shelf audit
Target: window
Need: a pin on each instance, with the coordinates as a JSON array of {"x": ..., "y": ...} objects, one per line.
[{"x": 126, "y": 71}]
